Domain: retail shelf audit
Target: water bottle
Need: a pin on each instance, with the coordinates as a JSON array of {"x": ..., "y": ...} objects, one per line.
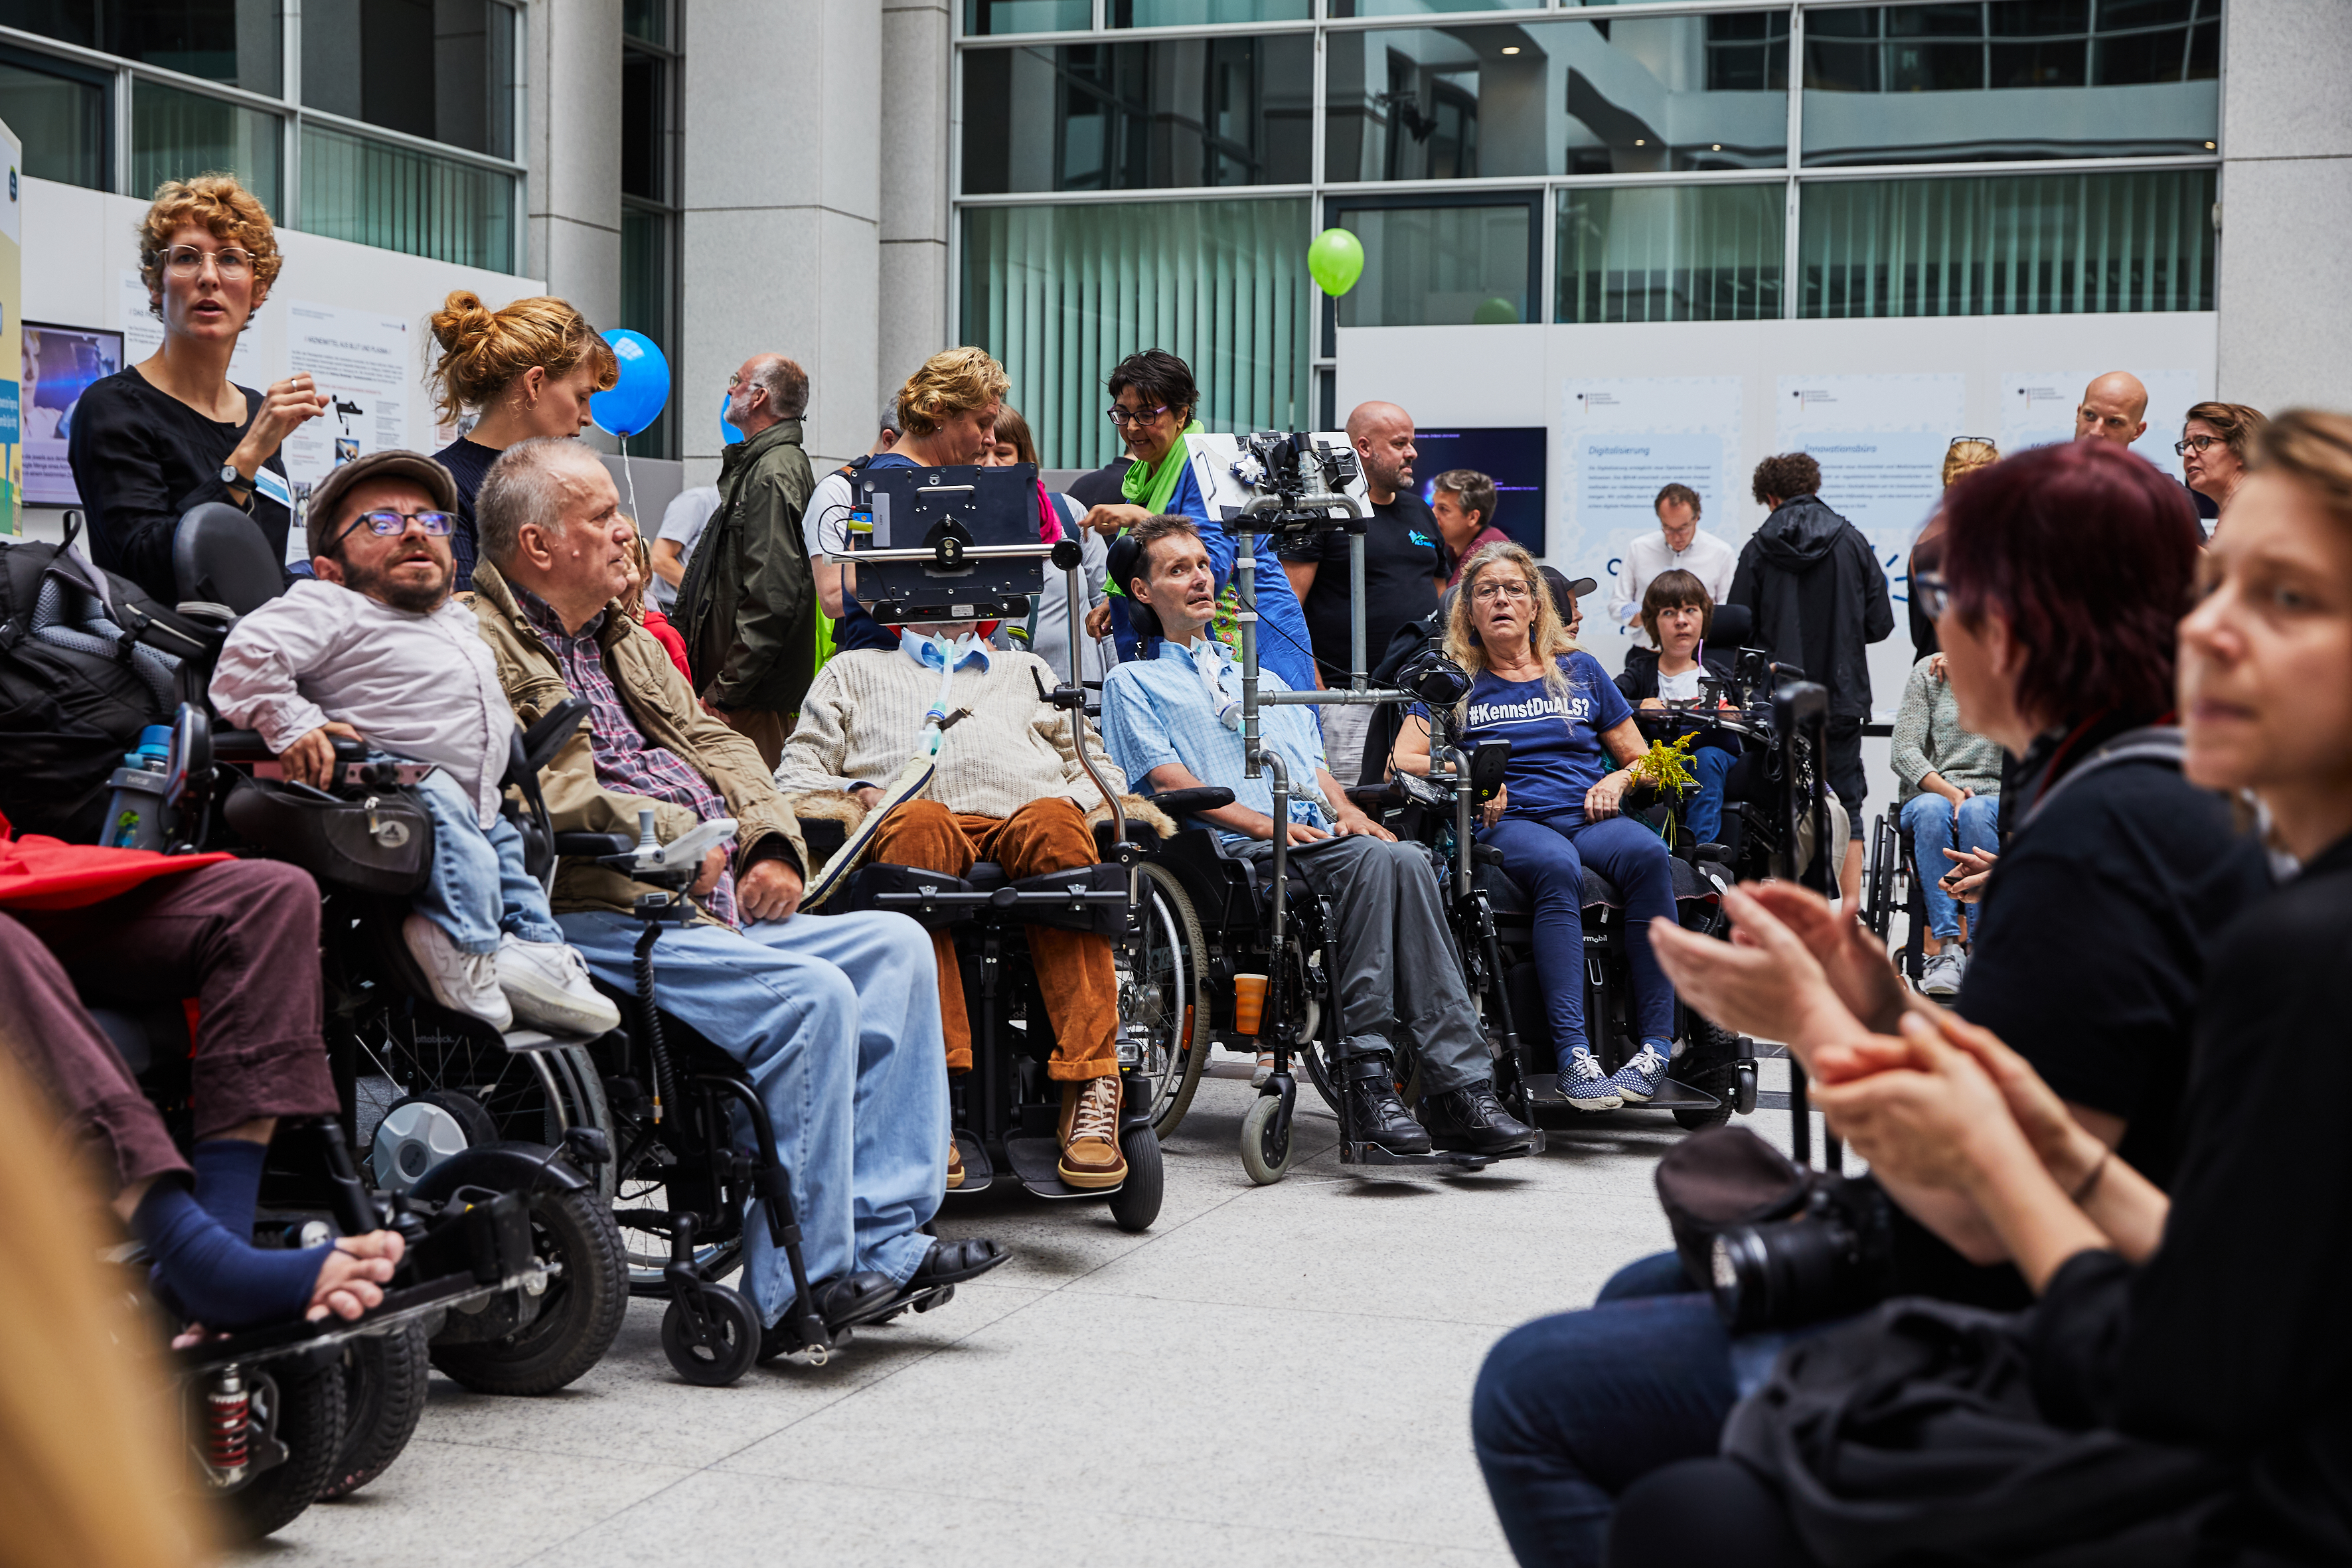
[{"x": 136, "y": 817}]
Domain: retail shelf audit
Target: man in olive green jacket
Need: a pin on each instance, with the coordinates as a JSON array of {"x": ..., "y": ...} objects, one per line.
[
  {"x": 835, "y": 1019},
  {"x": 747, "y": 605}
]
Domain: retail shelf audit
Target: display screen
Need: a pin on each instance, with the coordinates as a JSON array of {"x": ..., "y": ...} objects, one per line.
[
  {"x": 59, "y": 364},
  {"x": 1514, "y": 457}
]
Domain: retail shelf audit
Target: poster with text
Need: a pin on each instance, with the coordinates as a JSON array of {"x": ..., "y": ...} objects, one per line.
[
  {"x": 142, "y": 335},
  {"x": 2037, "y": 408},
  {"x": 1880, "y": 440},
  {"x": 1626, "y": 438},
  {"x": 61, "y": 363},
  {"x": 360, "y": 361}
]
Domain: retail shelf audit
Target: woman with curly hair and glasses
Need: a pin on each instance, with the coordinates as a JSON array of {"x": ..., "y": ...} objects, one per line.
[{"x": 173, "y": 431}]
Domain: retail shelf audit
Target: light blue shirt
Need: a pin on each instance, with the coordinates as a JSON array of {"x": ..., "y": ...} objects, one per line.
[{"x": 1157, "y": 710}]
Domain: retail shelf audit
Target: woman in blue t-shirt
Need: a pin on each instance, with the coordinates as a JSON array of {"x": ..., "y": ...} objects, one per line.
[{"x": 1557, "y": 812}]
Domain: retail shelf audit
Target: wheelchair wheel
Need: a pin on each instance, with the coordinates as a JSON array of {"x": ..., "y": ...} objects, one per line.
[
  {"x": 1164, "y": 990},
  {"x": 383, "y": 1398},
  {"x": 579, "y": 1314},
  {"x": 1137, "y": 1203},
  {"x": 733, "y": 1346},
  {"x": 1267, "y": 1142},
  {"x": 531, "y": 1096},
  {"x": 301, "y": 1405}
]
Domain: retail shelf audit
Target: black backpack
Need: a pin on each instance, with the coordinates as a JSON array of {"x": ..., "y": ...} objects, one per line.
[{"x": 84, "y": 666}]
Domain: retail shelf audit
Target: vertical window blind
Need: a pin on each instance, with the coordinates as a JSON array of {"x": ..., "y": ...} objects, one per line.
[
  {"x": 176, "y": 134},
  {"x": 400, "y": 198},
  {"x": 2008, "y": 245},
  {"x": 1060, "y": 294},
  {"x": 1671, "y": 253}
]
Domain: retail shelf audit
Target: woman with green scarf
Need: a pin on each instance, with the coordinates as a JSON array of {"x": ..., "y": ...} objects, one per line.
[{"x": 1152, "y": 402}]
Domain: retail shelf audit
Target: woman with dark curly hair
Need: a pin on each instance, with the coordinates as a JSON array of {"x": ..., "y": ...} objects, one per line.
[{"x": 171, "y": 431}]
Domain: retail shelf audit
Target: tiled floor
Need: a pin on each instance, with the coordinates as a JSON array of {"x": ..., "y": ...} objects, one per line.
[{"x": 1279, "y": 1369}]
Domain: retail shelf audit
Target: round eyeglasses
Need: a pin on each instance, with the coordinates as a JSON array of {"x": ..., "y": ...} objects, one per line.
[{"x": 391, "y": 524}]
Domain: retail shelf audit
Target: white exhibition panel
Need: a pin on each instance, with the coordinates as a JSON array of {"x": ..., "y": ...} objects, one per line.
[
  {"x": 351, "y": 315},
  {"x": 1630, "y": 406}
]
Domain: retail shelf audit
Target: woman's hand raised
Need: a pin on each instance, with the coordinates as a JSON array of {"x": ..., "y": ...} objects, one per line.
[
  {"x": 1766, "y": 982},
  {"x": 1930, "y": 1117},
  {"x": 283, "y": 410},
  {"x": 1855, "y": 963}
]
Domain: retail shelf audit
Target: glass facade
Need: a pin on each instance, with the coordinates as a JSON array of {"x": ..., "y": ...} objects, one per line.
[
  {"x": 651, "y": 69},
  {"x": 405, "y": 112},
  {"x": 1545, "y": 161},
  {"x": 1224, "y": 110},
  {"x": 1060, "y": 293}
]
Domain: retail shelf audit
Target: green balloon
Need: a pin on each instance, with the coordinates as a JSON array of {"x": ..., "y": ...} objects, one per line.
[
  {"x": 1335, "y": 261},
  {"x": 1496, "y": 312}
]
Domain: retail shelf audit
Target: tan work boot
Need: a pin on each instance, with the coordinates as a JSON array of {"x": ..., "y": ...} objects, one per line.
[
  {"x": 1090, "y": 1156},
  {"x": 955, "y": 1164}
]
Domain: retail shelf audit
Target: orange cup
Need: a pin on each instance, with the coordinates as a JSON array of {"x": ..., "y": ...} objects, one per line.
[{"x": 1249, "y": 1002}]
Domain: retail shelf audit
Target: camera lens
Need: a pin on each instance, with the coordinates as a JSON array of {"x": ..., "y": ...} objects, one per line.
[{"x": 1776, "y": 1275}]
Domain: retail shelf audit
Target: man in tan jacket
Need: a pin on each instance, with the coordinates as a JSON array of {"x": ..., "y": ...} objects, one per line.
[
  {"x": 837, "y": 1019},
  {"x": 1009, "y": 789}
]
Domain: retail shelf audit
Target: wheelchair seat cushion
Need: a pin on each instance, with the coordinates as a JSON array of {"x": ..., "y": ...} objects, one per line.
[{"x": 1507, "y": 896}]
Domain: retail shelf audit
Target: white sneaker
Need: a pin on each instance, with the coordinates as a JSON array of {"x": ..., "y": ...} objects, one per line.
[
  {"x": 462, "y": 981},
  {"x": 547, "y": 983},
  {"x": 1940, "y": 975},
  {"x": 1263, "y": 1071}
]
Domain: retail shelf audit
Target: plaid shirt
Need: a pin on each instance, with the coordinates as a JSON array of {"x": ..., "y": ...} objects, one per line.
[{"x": 624, "y": 764}]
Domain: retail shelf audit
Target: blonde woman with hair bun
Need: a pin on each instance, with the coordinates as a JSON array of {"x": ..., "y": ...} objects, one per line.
[
  {"x": 173, "y": 431},
  {"x": 527, "y": 369}
]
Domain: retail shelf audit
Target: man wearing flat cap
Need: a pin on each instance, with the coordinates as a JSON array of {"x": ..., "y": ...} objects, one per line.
[{"x": 372, "y": 648}]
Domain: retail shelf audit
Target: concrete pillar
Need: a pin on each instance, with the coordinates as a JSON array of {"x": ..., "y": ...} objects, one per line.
[
  {"x": 571, "y": 86},
  {"x": 2285, "y": 323},
  {"x": 782, "y": 211},
  {"x": 916, "y": 61}
]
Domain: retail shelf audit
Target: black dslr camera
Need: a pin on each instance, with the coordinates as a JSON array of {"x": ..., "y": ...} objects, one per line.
[{"x": 1834, "y": 1256}]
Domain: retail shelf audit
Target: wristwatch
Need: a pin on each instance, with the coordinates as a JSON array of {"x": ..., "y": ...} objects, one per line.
[{"x": 237, "y": 481}]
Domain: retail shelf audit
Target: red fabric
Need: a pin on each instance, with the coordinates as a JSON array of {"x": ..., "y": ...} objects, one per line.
[
  {"x": 38, "y": 873},
  {"x": 666, "y": 634}
]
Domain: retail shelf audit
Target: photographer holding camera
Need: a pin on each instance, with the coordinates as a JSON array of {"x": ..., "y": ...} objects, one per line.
[
  {"x": 2093, "y": 1430},
  {"x": 2063, "y": 576}
]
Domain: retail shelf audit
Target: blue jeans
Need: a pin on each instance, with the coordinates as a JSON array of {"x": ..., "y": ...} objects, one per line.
[
  {"x": 1547, "y": 857},
  {"x": 479, "y": 888},
  {"x": 1703, "y": 817},
  {"x": 1570, "y": 1410},
  {"x": 837, "y": 1020},
  {"x": 1929, "y": 820}
]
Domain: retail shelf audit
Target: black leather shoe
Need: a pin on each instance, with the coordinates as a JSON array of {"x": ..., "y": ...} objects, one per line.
[
  {"x": 953, "y": 1262},
  {"x": 843, "y": 1299},
  {"x": 1471, "y": 1121},
  {"x": 1374, "y": 1111}
]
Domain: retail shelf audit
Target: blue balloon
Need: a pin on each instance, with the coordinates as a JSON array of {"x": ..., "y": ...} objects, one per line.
[
  {"x": 728, "y": 433},
  {"x": 637, "y": 399}
]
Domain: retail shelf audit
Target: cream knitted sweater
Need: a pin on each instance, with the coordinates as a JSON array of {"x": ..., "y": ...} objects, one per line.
[{"x": 864, "y": 718}]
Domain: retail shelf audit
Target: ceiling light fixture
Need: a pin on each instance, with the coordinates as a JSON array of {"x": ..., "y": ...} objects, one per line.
[
  {"x": 2209, "y": 146},
  {"x": 1514, "y": 48},
  {"x": 1639, "y": 143},
  {"x": 1718, "y": 147}
]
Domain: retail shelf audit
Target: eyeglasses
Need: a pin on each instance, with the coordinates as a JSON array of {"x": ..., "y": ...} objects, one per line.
[
  {"x": 391, "y": 524},
  {"x": 1934, "y": 596},
  {"x": 186, "y": 261},
  {"x": 1980, "y": 440},
  {"x": 1487, "y": 592},
  {"x": 2198, "y": 443},
  {"x": 1123, "y": 417}
]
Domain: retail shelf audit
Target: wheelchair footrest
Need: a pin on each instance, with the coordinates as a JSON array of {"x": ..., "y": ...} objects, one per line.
[
  {"x": 979, "y": 1174},
  {"x": 1037, "y": 1164},
  {"x": 1673, "y": 1095},
  {"x": 1352, "y": 1154}
]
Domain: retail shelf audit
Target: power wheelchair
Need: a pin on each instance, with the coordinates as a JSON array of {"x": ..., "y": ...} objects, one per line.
[
  {"x": 501, "y": 1284},
  {"x": 969, "y": 549}
]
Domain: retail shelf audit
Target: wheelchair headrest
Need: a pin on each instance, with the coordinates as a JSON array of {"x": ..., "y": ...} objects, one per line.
[
  {"x": 1735, "y": 627},
  {"x": 1125, "y": 563},
  {"x": 219, "y": 557}
]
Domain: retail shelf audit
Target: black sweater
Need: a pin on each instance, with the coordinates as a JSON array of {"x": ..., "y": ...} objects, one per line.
[
  {"x": 2230, "y": 1338},
  {"x": 1639, "y": 679},
  {"x": 140, "y": 458}
]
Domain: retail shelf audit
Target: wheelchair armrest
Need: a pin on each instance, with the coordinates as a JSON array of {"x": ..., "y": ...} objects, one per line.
[
  {"x": 589, "y": 845},
  {"x": 241, "y": 746},
  {"x": 539, "y": 745},
  {"x": 1372, "y": 799},
  {"x": 1181, "y": 801}
]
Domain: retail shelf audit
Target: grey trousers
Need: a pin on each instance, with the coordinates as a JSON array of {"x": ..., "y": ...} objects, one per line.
[{"x": 1397, "y": 973}]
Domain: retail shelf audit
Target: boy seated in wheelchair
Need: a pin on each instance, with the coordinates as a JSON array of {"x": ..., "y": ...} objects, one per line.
[
  {"x": 1008, "y": 788},
  {"x": 374, "y": 649},
  {"x": 1176, "y": 720},
  {"x": 1678, "y": 614}
]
